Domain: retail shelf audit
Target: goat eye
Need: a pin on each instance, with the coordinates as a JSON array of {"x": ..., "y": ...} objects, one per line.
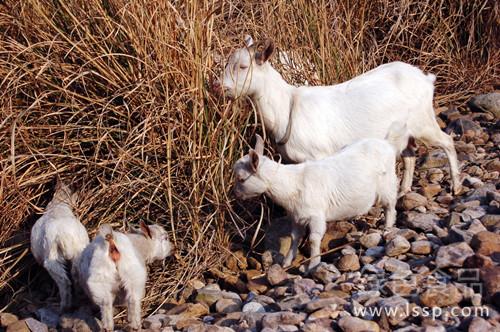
[{"x": 243, "y": 67}]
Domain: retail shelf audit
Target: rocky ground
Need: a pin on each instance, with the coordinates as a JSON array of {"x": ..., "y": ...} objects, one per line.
[{"x": 437, "y": 271}]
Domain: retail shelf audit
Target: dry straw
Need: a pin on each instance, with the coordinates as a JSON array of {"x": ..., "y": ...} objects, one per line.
[{"x": 113, "y": 97}]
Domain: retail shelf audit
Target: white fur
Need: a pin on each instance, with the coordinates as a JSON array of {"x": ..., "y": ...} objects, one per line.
[
  {"x": 327, "y": 118},
  {"x": 103, "y": 279},
  {"x": 342, "y": 186},
  {"x": 57, "y": 238}
]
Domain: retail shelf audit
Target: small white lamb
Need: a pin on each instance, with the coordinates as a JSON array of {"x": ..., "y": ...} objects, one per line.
[
  {"x": 342, "y": 186},
  {"x": 58, "y": 238},
  {"x": 114, "y": 263}
]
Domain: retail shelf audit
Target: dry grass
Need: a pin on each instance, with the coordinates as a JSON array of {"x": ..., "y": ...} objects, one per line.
[{"x": 113, "y": 96}]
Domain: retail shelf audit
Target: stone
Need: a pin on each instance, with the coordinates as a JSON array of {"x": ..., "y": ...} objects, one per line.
[
  {"x": 237, "y": 261},
  {"x": 227, "y": 305},
  {"x": 7, "y": 318},
  {"x": 471, "y": 213},
  {"x": 479, "y": 324},
  {"x": 397, "y": 246},
  {"x": 486, "y": 243},
  {"x": 318, "y": 325},
  {"x": 370, "y": 240},
  {"x": 276, "y": 275},
  {"x": 325, "y": 273},
  {"x": 489, "y": 102},
  {"x": 36, "y": 326},
  {"x": 430, "y": 190},
  {"x": 375, "y": 251},
  {"x": 399, "y": 287},
  {"x": 453, "y": 255},
  {"x": 491, "y": 283},
  {"x": 393, "y": 265},
  {"x": 296, "y": 302},
  {"x": 422, "y": 247},
  {"x": 363, "y": 296},
  {"x": 154, "y": 322},
  {"x": 412, "y": 200},
  {"x": 18, "y": 326},
  {"x": 81, "y": 321},
  {"x": 326, "y": 312},
  {"x": 207, "y": 328},
  {"x": 399, "y": 309},
  {"x": 491, "y": 221},
  {"x": 463, "y": 126},
  {"x": 253, "y": 307},
  {"x": 441, "y": 296},
  {"x": 276, "y": 319},
  {"x": 355, "y": 324},
  {"x": 305, "y": 286},
  {"x": 208, "y": 294},
  {"x": 321, "y": 303},
  {"x": 348, "y": 263},
  {"x": 421, "y": 221},
  {"x": 48, "y": 316},
  {"x": 258, "y": 285}
]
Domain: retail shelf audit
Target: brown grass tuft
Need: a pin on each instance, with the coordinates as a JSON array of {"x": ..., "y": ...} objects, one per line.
[{"x": 113, "y": 96}]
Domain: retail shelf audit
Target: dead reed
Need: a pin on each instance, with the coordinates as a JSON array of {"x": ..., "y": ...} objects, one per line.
[{"x": 113, "y": 96}]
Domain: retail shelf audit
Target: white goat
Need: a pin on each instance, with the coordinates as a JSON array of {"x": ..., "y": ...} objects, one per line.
[
  {"x": 342, "y": 186},
  {"x": 114, "y": 263},
  {"x": 311, "y": 123},
  {"x": 57, "y": 238}
]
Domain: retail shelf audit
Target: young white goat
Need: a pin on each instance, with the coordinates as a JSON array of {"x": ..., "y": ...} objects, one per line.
[
  {"x": 114, "y": 263},
  {"x": 342, "y": 186},
  {"x": 57, "y": 238},
  {"x": 313, "y": 122}
]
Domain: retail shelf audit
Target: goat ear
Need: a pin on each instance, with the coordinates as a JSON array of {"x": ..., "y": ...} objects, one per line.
[
  {"x": 259, "y": 145},
  {"x": 263, "y": 51},
  {"x": 145, "y": 229},
  {"x": 248, "y": 40},
  {"x": 254, "y": 161}
]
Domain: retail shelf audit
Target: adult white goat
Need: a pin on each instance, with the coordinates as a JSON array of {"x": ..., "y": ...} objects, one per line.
[
  {"x": 58, "y": 238},
  {"x": 342, "y": 186},
  {"x": 310, "y": 123},
  {"x": 115, "y": 263}
]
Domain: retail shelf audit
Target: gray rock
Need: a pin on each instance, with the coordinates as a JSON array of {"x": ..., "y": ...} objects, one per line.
[
  {"x": 277, "y": 319},
  {"x": 413, "y": 200},
  {"x": 276, "y": 275},
  {"x": 154, "y": 322},
  {"x": 479, "y": 324},
  {"x": 399, "y": 311},
  {"x": 489, "y": 102},
  {"x": 324, "y": 302},
  {"x": 36, "y": 326},
  {"x": 375, "y": 251},
  {"x": 325, "y": 273},
  {"x": 363, "y": 296},
  {"x": 421, "y": 221},
  {"x": 297, "y": 302},
  {"x": 370, "y": 240},
  {"x": 227, "y": 305},
  {"x": 453, "y": 255},
  {"x": 354, "y": 324},
  {"x": 393, "y": 265},
  {"x": 397, "y": 246},
  {"x": 305, "y": 286},
  {"x": 253, "y": 307},
  {"x": 422, "y": 247},
  {"x": 48, "y": 316}
]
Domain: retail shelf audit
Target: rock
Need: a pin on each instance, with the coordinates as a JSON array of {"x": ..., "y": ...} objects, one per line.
[
  {"x": 154, "y": 322},
  {"x": 375, "y": 252},
  {"x": 209, "y": 294},
  {"x": 462, "y": 126},
  {"x": 267, "y": 258},
  {"x": 297, "y": 302},
  {"x": 7, "y": 319},
  {"x": 422, "y": 247},
  {"x": 36, "y": 326},
  {"x": 489, "y": 102},
  {"x": 412, "y": 200},
  {"x": 363, "y": 296},
  {"x": 393, "y": 265},
  {"x": 325, "y": 273},
  {"x": 257, "y": 285},
  {"x": 254, "y": 264},
  {"x": 80, "y": 321},
  {"x": 399, "y": 287},
  {"x": 435, "y": 159},
  {"x": 486, "y": 243},
  {"x": 441, "y": 296},
  {"x": 491, "y": 282},
  {"x": 453, "y": 255},
  {"x": 237, "y": 261},
  {"x": 421, "y": 221},
  {"x": 276, "y": 319},
  {"x": 399, "y": 311},
  {"x": 253, "y": 307},
  {"x": 18, "y": 326},
  {"x": 397, "y": 246},
  {"x": 370, "y": 240},
  {"x": 208, "y": 328},
  {"x": 325, "y": 302},
  {"x": 48, "y": 316},
  {"x": 318, "y": 325},
  {"x": 471, "y": 213},
  {"x": 276, "y": 275},
  {"x": 430, "y": 190},
  {"x": 354, "y": 324},
  {"x": 491, "y": 221},
  {"x": 326, "y": 312},
  {"x": 348, "y": 263},
  {"x": 305, "y": 286},
  {"x": 479, "y": 324},
  {"x": 227, "y": 305}
]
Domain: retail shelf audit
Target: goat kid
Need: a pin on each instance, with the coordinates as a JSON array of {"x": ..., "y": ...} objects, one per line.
[
  {"x": 58, "y": 238},
  {"x": 114, "y": 263},
  {"x": 342, "y": 186},
  {"x": 313, "y": 122}
]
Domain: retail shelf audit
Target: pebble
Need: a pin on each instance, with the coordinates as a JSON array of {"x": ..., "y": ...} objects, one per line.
[
  {"x": 355, "y": 324},
  {"x": 397, "y": 246},
  {"x": 453, "y": 255}
]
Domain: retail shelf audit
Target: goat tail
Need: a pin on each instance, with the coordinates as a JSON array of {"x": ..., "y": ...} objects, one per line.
[
  {"x": 398, "y": 136},
  {"x": 107, "y": 232}
]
